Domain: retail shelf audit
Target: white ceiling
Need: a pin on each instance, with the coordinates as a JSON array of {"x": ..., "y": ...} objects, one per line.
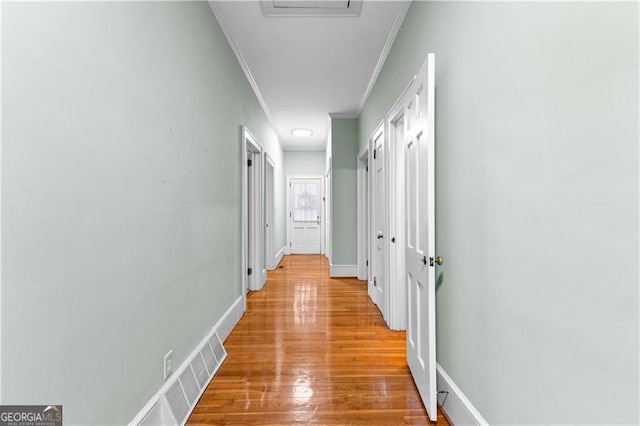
[{"x": 305, "y": 67}]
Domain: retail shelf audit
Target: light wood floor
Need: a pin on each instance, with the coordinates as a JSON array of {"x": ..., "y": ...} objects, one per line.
[{"x": 312, "y": 350}]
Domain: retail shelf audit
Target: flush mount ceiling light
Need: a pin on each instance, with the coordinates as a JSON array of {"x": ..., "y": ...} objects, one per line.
[{"x": 301, "y": 132}]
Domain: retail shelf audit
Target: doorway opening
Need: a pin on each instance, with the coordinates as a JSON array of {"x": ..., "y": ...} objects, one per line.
[
  {"x": 304, "y": 201},
  {"x": 253, "y": 270},
  {"x": 364, "y": 215}
]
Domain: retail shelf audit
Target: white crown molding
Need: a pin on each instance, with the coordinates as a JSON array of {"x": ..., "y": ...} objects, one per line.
[
  {"x": 221, "y": 17},
  {"x": 385, "y": 51},
  {"x": 218, "y": 10}
]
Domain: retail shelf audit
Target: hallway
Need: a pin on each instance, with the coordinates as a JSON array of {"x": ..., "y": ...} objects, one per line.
[{"x": 311, "y": 349}]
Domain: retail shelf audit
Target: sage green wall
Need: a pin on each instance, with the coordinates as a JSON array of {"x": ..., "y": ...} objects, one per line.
[
  {"x": 304, "y": 163},
  {"x": 344, "y": 154},
  {"x": 121, "y": 166},
  {"x": 537, "y": 202}
]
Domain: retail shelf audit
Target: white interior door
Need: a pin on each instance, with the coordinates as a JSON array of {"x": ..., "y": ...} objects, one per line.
[
  {"x": 420, "y": 238},
  {"x": 380, "y": 220},
  {"x": 327, "y": 215},
  {"x": 305, "y": 215},
  {"x": 250, "y": 242},
  {"x": 269, "y": 251}
]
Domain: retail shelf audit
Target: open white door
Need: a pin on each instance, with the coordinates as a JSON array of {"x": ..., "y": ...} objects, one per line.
[
  {"x": 420, "y": 238},
  {"x": 380, "y": 207}
]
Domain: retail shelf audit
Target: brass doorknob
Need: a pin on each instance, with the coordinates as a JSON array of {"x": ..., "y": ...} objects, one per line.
[{"x": 439, "y": 260}]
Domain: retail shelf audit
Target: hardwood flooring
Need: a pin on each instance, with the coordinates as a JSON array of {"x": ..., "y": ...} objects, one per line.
[{"x": 312, "y": 350}]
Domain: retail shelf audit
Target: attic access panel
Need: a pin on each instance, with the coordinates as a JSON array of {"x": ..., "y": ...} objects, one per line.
[{"x": 311, "y": 7}]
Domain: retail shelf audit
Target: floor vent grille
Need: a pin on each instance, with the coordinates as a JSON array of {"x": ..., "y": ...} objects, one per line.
[
  {"x": 177, "y": 401},
  {"x": 209, "y": 359},
  {"x": 154, "y": 416},
  {"x": 178, "y": 397},
  {"x": 189, "y": 385},
  {"x": 218, "y": 350},
  {"x": 201, "y": 371}
]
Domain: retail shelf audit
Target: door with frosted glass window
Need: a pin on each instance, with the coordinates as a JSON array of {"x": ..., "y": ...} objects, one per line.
[{"x": 305, "y": 197}]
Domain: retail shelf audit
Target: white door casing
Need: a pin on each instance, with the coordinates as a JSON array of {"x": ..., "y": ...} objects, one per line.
[
  {"x": 396, "y": 274},
  {"x": 380, "y": 208},
  {"x": 420, "y": 236},
  {"x": 252, "y": 214},
  {"x": 305, "y": 214},
  {"x": 270, "y": 249},
  {"x": 328, "y": 214},
  {"x": 395, "y": 277},
  {"x": 364, "y": 213}
]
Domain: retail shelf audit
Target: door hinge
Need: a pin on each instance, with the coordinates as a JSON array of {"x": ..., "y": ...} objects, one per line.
[
  {"x": 367, "y": 169},
  {"x": 375, "y": 154},
  {"x": 289, "y": 244},
  {"x": 367, "y": 263},
  {"x": 375, "y": 281},
  {"x": 289, "y": 214},
  {"x": 249, "y": 162},
  {"x": 249, "y": 271}
]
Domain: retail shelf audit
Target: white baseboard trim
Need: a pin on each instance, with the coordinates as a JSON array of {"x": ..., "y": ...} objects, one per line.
[
  {"x": 455, "y": 405},
  {"x": 279, "y": 256},
  {"x": 337, "y": 271},
  {"x": 228, "y": 321},
  {"x": 178, "y": 396},
  {"x": 263, "y": 278},
  {"x": 371, "y": 291}
]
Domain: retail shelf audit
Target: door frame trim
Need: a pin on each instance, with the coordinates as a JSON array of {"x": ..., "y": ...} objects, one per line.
[
  {"x": 251, "y": 148},
  {"x": 269, "y": 217},
  {"x": 364, "y": 211},
  {"x": 396, "y": 219},
  {"x": 328, "y": 214},
  {"x": 380, "y": 131},
  {"x": 288, "y": 214}
]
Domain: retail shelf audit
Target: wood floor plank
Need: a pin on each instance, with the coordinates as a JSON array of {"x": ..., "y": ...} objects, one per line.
[{"x": 312, "y": 350}]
